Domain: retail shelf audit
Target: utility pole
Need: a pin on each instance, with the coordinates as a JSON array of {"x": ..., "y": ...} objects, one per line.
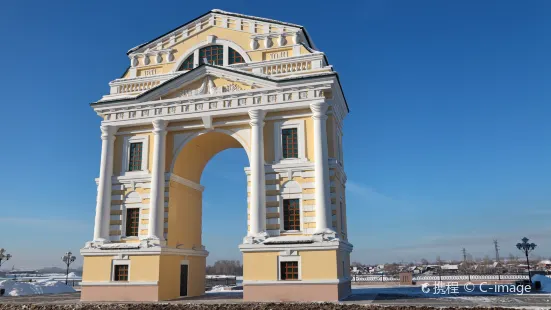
[
  {"x": 497, "y": 250},
  {"x": 464, "y": 255}
]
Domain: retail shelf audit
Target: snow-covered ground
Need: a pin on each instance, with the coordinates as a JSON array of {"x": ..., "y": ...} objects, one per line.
[{"x": 14, "y": 288}]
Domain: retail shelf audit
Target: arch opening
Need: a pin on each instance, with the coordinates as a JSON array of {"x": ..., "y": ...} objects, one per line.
[{"x": 185, "y": 192}]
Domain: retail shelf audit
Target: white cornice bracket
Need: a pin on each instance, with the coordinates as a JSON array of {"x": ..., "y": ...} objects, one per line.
[{"x": 207, "y": 122}]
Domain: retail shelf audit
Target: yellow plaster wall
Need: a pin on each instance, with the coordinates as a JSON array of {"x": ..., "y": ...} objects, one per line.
[
  {"x": 318, "y": 264},
  {"x": 96, "y": 268},
  {"x": 184, "y": 218},
  {"x": 260, "y": 266},
  {"x": 144, "y": 268},
  {"x": 309, "y": 134},
  {"x": 169, "y": 278}
]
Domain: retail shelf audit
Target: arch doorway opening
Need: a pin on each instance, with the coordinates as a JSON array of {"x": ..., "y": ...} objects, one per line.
[{"x": 187, "y": 211}]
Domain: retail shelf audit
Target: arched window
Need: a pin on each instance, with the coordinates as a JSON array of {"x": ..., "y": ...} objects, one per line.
[
  {"x": 214, "y": 54},
  {"x": 234, "y": 57},
  {"x": 188, "y": 63}
]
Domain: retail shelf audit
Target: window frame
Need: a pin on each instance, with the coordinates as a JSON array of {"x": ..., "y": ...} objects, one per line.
[
  {"x": 293, "y": 191},
  {"x": 125, "y": 233},
  {"x": 120, "y": 262},
  {"x": 212, "y": 40},
  {"x": 299, "y": 214},
  {"x": 289, "y": 258},
  {"x": 278, "y": 141},
  {"x": 124, "y": 215},
  {"x": 128, "y": 140},
  {"x": 212, "y": 46}
]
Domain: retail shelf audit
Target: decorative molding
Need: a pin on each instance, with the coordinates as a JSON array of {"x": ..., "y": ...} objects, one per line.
[
  {"x": 118, "y": 283},
  {"x": 186, "y": 182},
  {"x": 207, "y": 88}
]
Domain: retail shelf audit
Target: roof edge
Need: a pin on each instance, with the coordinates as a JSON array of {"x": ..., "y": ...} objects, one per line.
[{"x": 218, "y": 11}]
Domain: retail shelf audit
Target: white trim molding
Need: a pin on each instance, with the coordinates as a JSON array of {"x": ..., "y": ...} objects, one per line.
[
  {"x": 120, "y": 262},
  {"x": 144, "y": 139},
  {"x": 186, "y": 182},
  {"x": 278, "y": 141}
]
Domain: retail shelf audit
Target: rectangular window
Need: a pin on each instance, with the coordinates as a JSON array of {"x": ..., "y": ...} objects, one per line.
[
  {"x": 132, "y": 221},
  {"x": 289, "y": 270},
  {"x": 291, "y": 214},
  {"x": 121, "y": 273},
  {"x": 289, "y": 143},
  {"x": 135, "y": 162}
]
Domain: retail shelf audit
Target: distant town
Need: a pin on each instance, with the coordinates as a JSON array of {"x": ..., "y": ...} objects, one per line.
[{"x": 512, "y": 265}]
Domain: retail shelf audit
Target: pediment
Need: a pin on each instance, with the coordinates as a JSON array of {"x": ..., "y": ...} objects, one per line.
[
  {"x": 206, "y": 80},
  {"x": 210, "y": 85}
]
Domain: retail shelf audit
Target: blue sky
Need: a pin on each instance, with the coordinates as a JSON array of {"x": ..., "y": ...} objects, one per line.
[{"x": 446, "y": 146}]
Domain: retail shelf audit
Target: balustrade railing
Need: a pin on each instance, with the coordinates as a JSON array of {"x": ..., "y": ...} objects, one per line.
[
  {"x": 136, "y": 87},
  {"x": 385, "y": 278},
  {"x": 287, "y": 67}
]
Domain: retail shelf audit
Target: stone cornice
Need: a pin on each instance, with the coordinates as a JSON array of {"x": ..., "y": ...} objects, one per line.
[{"x": 142, "y": 113}]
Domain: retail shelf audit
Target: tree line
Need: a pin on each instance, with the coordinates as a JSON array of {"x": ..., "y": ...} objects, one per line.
[{"x": 226, "y": 267}]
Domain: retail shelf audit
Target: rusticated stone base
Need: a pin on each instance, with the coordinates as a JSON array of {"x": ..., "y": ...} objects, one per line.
[
  {"x": 296, "y": 292},
  {"x": 120, "y": 293}
]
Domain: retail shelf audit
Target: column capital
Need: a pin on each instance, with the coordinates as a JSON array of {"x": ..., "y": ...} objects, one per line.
[
  {"x": 108, "y": 132},
  {"x": 159, "y": 126},
  {"x": 257, "y": 117},
  {"x": 319, "y": 109}
]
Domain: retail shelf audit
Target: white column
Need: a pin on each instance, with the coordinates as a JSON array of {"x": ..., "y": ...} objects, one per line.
[
  {"x": 103, "y": 201},
  {"x": 257, "y": 211},
  {"x": 321, "y": 166},
  {"x": 157, "y": 195}
]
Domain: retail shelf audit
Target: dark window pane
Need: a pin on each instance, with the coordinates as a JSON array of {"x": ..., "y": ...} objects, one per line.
[
  {"x": 132, "y": 221},
  {"x": 121, "y": 273},
  {"x": 213, "y": 54},
  {"x": 289, "y": 270},
  {"x": 291, "y": 214},
  {"x": 290, "y": 143},
  {"x": 188, "y": 63},
  {"x": 135, "y": 162},
  {"x": 234, "y": 57}
]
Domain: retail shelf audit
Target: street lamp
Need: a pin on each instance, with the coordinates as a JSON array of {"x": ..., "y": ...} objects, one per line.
[
  {"x": 526, "y": 247},
  {"x": 3, "y": 256},
  {"x": 68, "y": 258}
]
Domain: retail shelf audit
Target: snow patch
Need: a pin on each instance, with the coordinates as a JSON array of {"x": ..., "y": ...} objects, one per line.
[{"x": 14, "y": 288}]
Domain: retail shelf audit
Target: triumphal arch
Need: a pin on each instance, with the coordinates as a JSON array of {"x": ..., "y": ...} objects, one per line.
[{"x": 222, "y": 80}]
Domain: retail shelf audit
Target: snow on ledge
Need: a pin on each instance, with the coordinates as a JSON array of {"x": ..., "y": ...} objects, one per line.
[
  {"x": 111, "y": 246},
  {"x": 289, "y": 240}
]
